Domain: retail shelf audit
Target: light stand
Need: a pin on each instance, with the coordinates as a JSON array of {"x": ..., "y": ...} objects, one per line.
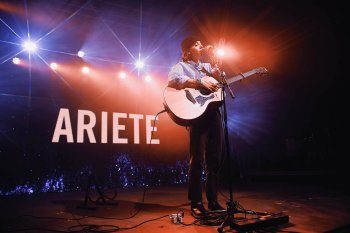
[
  {"x": 93, "y": 182},
  {"x": 246, "y": 224}
]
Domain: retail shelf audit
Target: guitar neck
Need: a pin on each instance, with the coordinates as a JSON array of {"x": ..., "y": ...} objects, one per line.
[{"x": 240, "y": 76}]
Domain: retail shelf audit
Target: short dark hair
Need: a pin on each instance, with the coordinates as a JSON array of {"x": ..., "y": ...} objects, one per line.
[{"x": 188, "y": 42}]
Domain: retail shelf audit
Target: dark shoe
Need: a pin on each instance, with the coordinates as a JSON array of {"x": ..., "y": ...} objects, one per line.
[
  {"x": 215, "y": 206},
  {"x": 197, "y": 209}
]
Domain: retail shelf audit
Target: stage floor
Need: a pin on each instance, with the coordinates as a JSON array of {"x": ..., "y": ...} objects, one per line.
[{"x": 310, "y": 209}]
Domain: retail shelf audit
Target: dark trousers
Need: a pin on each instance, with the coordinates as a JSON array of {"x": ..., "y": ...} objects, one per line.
[{"x": 206, "y": 140}]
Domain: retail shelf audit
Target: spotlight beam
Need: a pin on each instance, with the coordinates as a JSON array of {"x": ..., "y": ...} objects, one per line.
[
  {"x": 107, "y": 60},
  {"x": 55, "y": 51},
  {"x": 29, "y": 103},
  {"x": 170, "y": 36},
  {"x": 10, "y": 29},
  {"x": 10, "y": 56},
  {"x": 55, "y": 72},
  {"x": 9, "y": 42},
  {"x": 26, "y": 7},
  {"x": 22, "y": 96},
  {"x": 140, "y": 31},
  {"x": 61, "y": 77},
  {"x": 116, "y": 36},
  {"x": 161, "y": 44},
  {"x": 63, "y": 22},
  {"x": 160, "y": 66}
]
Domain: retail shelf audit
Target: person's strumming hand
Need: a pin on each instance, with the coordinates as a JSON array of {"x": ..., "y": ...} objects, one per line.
[{"x": 208, "y": 84}]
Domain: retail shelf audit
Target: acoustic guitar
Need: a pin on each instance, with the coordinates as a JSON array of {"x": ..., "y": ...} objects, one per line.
[{"x": 187, "y": 105}]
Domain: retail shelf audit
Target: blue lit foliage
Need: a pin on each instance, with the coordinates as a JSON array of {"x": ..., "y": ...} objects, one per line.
[
  {"x": 54, "y": 185},
  {"x": 136, "y": 175},
  {"x": 124, "y": 173}
]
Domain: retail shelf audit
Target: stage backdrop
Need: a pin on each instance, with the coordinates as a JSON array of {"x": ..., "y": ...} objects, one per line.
[{"x": 86, "y": 99}]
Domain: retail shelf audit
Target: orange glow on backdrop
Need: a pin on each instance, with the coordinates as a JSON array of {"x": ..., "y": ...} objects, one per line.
[
  {"x": 103, "y": 90},
  {"x": 245, "y": 46},
  {"x": 11, "y": 8}
]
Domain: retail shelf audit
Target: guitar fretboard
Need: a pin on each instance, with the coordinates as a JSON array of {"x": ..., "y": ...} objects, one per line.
[{"x": 241, "y": 76}]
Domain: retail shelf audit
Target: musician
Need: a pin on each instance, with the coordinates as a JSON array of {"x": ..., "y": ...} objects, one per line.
[{"x": 206, "y": 135}]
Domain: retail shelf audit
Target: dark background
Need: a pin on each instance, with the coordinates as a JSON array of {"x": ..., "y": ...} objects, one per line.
[{"x": 293, "y": 119}]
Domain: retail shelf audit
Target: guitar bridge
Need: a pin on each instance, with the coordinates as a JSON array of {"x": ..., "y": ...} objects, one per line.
[{"x": 190, "y": 97}]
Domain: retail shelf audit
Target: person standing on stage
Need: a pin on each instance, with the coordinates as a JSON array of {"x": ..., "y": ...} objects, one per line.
[{"x": 206, "y": 135}]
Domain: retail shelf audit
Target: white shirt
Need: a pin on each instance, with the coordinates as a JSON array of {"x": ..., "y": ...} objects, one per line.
[{"x": 183, "y": 71}]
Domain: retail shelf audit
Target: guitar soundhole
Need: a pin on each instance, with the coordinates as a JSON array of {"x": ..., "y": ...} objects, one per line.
[{"x": 204, "y": 92}]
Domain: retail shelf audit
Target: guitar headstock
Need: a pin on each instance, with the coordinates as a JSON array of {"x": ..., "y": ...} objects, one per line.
[{"x": 261, "y": 70}]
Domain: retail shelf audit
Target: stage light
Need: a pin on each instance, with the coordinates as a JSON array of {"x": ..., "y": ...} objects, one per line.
[
  {"x": 220, "y": 52},
  {"x": 81, "y": 53},
  {"x": 29, "y": 46},
  {"x": 85, "y": 70},
  {"x": 122, "y": 75},
  {"x": 53, "y": 65},
  {"x": 16, "y": 60},
  {"x": 139, "y": 64},
  {"x": 148, "y": 78}
]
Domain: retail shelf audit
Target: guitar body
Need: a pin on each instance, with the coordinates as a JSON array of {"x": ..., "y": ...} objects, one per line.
[{"x": 185, "y": 106}]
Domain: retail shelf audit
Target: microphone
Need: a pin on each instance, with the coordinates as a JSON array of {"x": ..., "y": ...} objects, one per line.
[
  {"x": 208, "y": 50},
  {"x": 209, "y": 54}
]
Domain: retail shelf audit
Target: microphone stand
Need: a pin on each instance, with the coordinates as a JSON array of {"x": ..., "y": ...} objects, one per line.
[
  {"x": 224, "y": 81},
  {"x": 260, "y": 219},
  {"x": 231, "y": 204}
]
